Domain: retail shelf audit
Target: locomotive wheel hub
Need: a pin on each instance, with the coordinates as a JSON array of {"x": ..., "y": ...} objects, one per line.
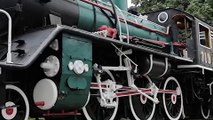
[
  {"x": 9, "y": 112},
  {"x": 143, "y": 99},
  {"x": 174, "y": 98}
]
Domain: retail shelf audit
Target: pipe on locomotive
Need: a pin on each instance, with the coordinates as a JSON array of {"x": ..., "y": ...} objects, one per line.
[{"x": 85, "y": 14}]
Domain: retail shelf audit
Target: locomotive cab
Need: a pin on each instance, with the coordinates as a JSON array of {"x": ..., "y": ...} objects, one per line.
[
  {"x": 183, "y": 33},
  {"x": 182, "y": 30},
  {"x": 204, "y": 43},
  {"x": 184, "y": 25}
]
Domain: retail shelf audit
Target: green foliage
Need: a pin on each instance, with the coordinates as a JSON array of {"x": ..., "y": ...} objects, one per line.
[
  {"x": 202, "y": 9},
  {"x": 210, "y": 3}
]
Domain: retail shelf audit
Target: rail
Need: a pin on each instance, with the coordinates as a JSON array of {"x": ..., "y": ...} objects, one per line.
[{"x": 9, "y": 54}]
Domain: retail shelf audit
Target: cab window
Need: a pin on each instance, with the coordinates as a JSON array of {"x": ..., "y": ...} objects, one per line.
[{"x": 204, "y": 36}]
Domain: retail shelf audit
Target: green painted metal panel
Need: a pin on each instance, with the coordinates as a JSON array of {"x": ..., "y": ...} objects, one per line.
[
  {"x": 122, "y": 4},
  {"x": 77, "y": 83},
  {"x": 91, "y": 18},
  {"x": 74, "y": 88}
]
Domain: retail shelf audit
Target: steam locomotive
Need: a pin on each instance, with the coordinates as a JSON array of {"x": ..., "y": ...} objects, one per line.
[{"x": 93, "y": 60}]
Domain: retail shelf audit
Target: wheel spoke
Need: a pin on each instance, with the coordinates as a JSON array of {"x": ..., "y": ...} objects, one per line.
[
  {"x": 141, "y": 107},
  {"x": 20, "y": 115},
  {"x": 9, "y": 95},
  {"x": 19, "y": 101},
  {"x": 170, "y": 105},
  {"x": 94, "y": 110},
  {"x": 173, "y": 104},
  {"x": 149, "y": 105},
  {"x": 92, "y": 114},
  {"x": 94, "y": 105}
]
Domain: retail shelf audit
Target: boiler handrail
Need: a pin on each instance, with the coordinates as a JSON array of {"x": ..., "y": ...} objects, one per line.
[{"x": 9, "y": 54}]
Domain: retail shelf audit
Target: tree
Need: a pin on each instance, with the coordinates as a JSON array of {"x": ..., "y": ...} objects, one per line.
[
  {"x": 210, "y": 3},
  {"x": 202, "y": 9}
]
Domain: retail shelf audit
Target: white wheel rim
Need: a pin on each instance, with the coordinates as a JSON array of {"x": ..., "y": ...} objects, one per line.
[
  {"x": 133, "y": 111},
  {"x": 27, "y": 111},
  {"x": 164, "y": 101},
  {"x": 88, "y": 98},
  {"x": 86, "y": 114},
  {"x": 202, "y": 112}
]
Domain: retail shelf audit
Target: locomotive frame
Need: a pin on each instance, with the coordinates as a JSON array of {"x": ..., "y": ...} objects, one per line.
[{"x": 155, "y": 67}]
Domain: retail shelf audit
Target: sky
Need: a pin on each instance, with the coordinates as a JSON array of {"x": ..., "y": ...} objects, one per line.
[{"x": 129, "y": 3}]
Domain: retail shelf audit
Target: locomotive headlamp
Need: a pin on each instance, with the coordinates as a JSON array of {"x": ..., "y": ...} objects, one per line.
[
  {"x": 51, "y": 66},
  {"x": 78, "y": 67},
  {"x": 71, "y": 66},
  {"x": 86, "y": 67}
]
